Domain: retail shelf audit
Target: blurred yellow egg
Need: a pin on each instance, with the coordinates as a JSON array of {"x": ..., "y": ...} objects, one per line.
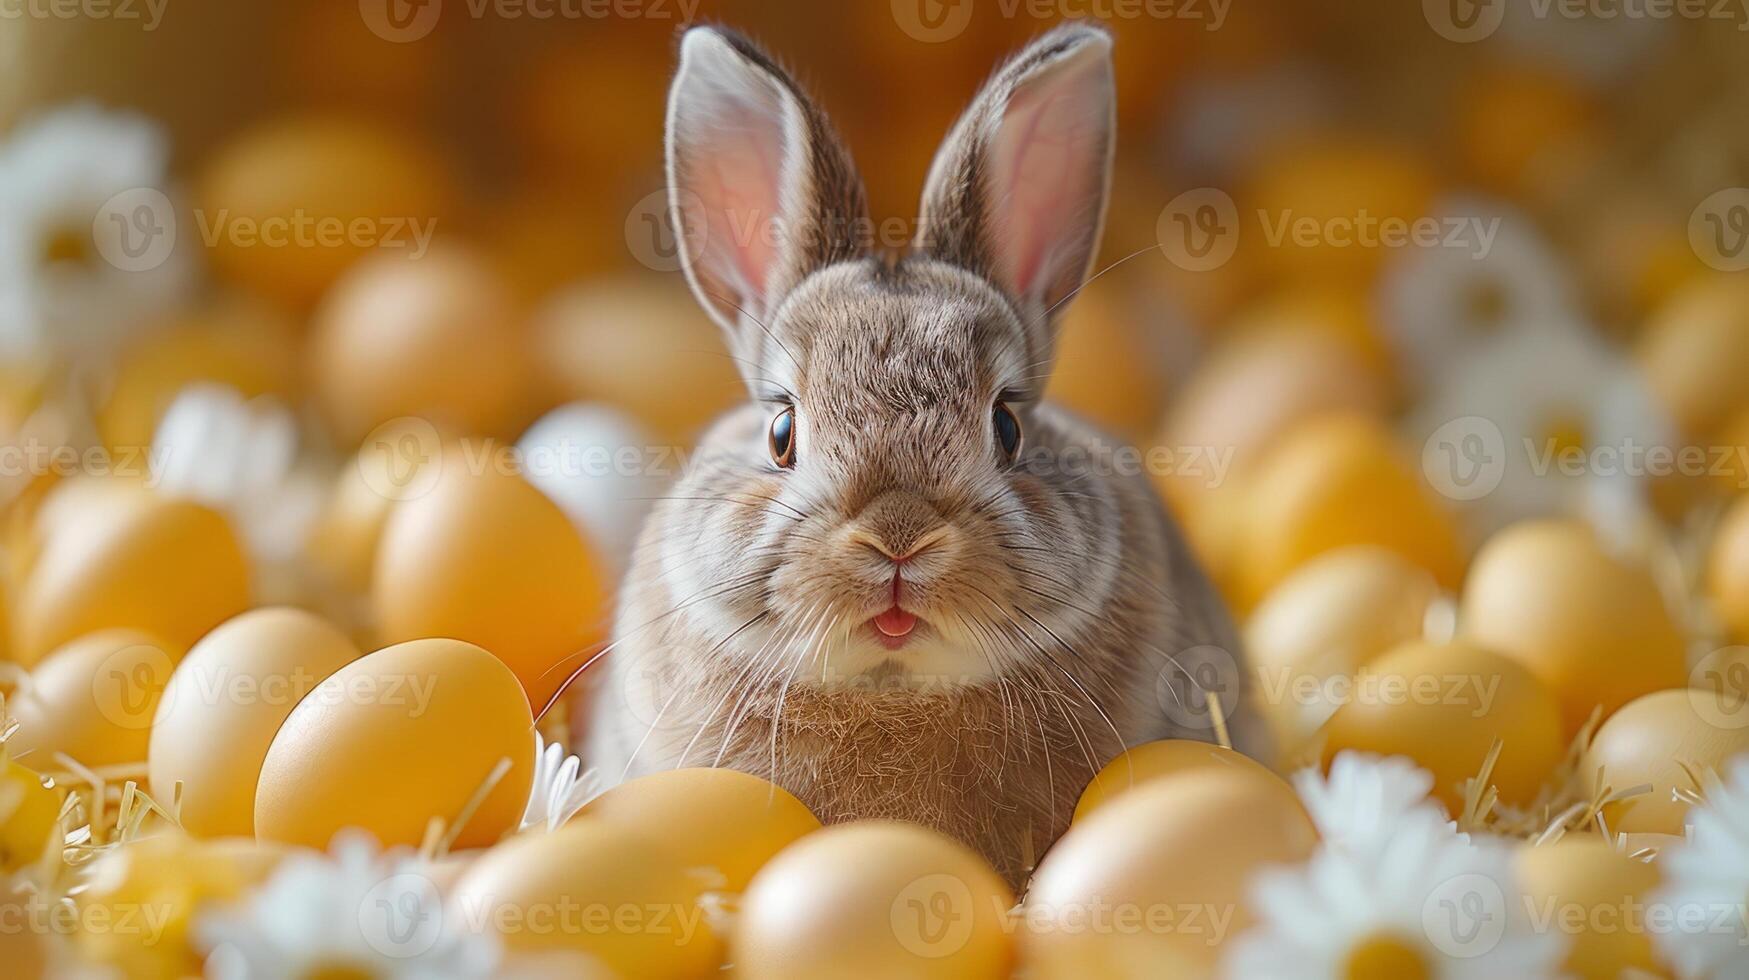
[
  {"x": 1443, "y": 705},
  {"x": 93, "y": 699},
  {"x": 1727, "y": 578},
  {"x": 385, "y": 470},
  {"x": 596, "y": 888},
  {"x": 560, "y": 114},
  {"x": 1594, "y": 896},
  {"x": 1593, "y": 627},
  {"x": 1695, "y": 353},
  {"x": 1341, "y": 480},
  {"x": 546, "y": 237},
  {"x": 1154, "y": 760},
  {"x": 1650, "y": 741},
  {"x": 289, "y": 204},
  {"x": 589, "y": 354},
  {"x": 485, "y": 557},
  {"x": 1327, "y": 619},
  {"x": 1188, "y": 844},
  {"x": 29, "y": 815},
  {"x": 1515, "y": 123},
  {"x": 874, "y": 899},
  {"x": 727, "y": 821},
  {"x": 1339, "y": 311},
  {"x": 25, "y": 952},
  {"x": 1213, "y": 520},
  {"x": 437, "y": 337},
  {"x": 395, "y": 738},
  {"x": 224, "y": 704},
  {"x": 1103, "y": 368},
  {"x": 170, "y": 567}
]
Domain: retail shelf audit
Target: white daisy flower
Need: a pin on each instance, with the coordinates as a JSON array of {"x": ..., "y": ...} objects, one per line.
[
  {"x": 1706, "y": 886},
  {"x": 353, "y": 913},
  {"x": 1363, "y": 799},
  {"x": 87, "y": 231},
  {"x": 561, "y": 787},
  {"x": 596, "y": 463},
  {"x": 1423, "y": 903}
]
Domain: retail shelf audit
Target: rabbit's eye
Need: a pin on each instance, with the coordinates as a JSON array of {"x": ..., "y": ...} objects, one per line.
[
  {"x": 783, "y": 438},
  {"x": 1007, "y": 432}
]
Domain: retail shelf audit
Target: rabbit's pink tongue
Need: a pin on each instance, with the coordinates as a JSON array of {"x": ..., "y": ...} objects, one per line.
[{"x": 895, "y": 622}]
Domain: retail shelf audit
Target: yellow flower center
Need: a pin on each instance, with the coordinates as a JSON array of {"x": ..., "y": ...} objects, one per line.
[
  {"x": 1486, "y": 305},
  {"x": 1567, "y": 433},
  {"x": 67, "y": 245},
  {"x": 339, "y": 971},
  {"x": 1383, "y": 956}
]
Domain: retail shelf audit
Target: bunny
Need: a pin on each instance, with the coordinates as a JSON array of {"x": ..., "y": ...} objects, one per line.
[{"x": 884, "y": 582}]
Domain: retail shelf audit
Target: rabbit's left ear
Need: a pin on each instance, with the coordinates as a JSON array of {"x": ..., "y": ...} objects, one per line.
[{"x": 1017, "y": 193}]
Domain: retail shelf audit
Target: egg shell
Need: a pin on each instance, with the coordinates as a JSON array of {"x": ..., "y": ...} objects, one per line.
[
  {"x": 1443, "y": 705},
  {"x": 1727, "y": 578},
  {"x": 1514, "y": 120},
  {"x": 172, "y": 568},
  {"x": 727, "y": 821},
  {"x": 1694, "y": 353},
  {"x": 397, "y": 737},
  {"x": 225, "y": 703},
  {"x": 1341, "y": 480},
  {"x": 1649, "y": 740},
  {"x": 1106, "y": 903},
  {"x": 438, "y": 337},
  {"x": 24, "y": 951},
  {"x": 874, "y": 898},
  {"x": 597, "y": 888},
  {"x": 1595, "y": 896},
  {"x": 1150, "y": 761},
  {"x": 485, "y": 557},
  {"x": 1593, "y": 627},
  {"x": 29, "y": 812},
  {"x": 348, "y": 531},
  {"x": 94, "y": 699},
  {"x": 1327, "y": 619}
]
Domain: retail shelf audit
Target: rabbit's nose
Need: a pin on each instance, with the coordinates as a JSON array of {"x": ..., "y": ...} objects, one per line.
[{"x": 899, "y": 526}]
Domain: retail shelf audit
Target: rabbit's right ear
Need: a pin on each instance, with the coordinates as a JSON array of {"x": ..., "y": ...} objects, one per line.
[{"x": 760, "y": 190}]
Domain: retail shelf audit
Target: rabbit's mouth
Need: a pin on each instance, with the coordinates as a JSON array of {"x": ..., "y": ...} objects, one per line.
[{"x": 893, "y": 627}]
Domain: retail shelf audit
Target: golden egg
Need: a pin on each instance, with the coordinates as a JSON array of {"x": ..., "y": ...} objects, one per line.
[
  {"x": 172, "y": 568},
  {"x": 485, "y": 557},
  {"x": 590, "y": 355},
  {"x": 1151, "y": 761},
  {"x": 291, "y": 203},
  {"x": 1658, "y": 739},
  {"x": 1213, "y": 522},
  {"x": 1593, "y": 627},
  {"x": 29, "y": 816},
  {"x": 1695, "y": 352},
  {"x": 1727, "y": 579},
  {"x": 388, "y": 468},
  {"x": 1104, "y": 369},
  {"x": 1513, "y": 124},
  {"x": 874, "y": 898},
  {"x": 224, "y": 704},
  {"x": 436, "y": 337},
  {"x": 727, "y": 821},
  {"x": 1443, "y": 705},
  {"x": 396, "y": 738},
  {"x": 1341, "y": 480},
  {"x": 1152, "y": 884},
  {"x": 1596, "y": 897},
  {"x": 596, "y": 888},
  {"x": 93, "y": 699},
  {"x": 1326, "y": 620}
]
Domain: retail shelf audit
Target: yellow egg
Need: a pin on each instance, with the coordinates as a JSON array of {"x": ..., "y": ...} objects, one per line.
[
  {"x": 224, "y": 704},
  {"x": 1727, "y": 578},
  {"x": 169, "y": 567},
  {"x": 1514, "y": 123},
  {"x": 291, "y": 203},
  {"x": 1327, "y": 619},
  {"x": 93, "y": 699},
  {"x": 24, "y": 951},
  {"x": 29, "y": 814},
  {"x": 1341, "y": 480},
  {"x": 385, "y": 470},
  {"x": 1695, "y": 353},
  {"x": 1595, "y": 896},
  {"x": 1443, "y": 706},
  {"x": 1593, "y": 627},
  {"x": 395, "y": 738},
  {"x": 874, "y": 899},
  {"x": 436, "y": 337},
  {"x": 1151, "y": 761},
  {"x": 1103, "y": 368},
  {"x": 485, "y": 557},
  {"x": 721, "y": 819},
  {"x": 1650, "y": 741},
  {"x": 592, "y": 887},
  {"x": 589, "y": 355},
  {"x": 1152, "y": 884}
]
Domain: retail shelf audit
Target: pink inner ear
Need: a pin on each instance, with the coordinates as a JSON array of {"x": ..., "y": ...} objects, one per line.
[{"x": 739, "y": 171}]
